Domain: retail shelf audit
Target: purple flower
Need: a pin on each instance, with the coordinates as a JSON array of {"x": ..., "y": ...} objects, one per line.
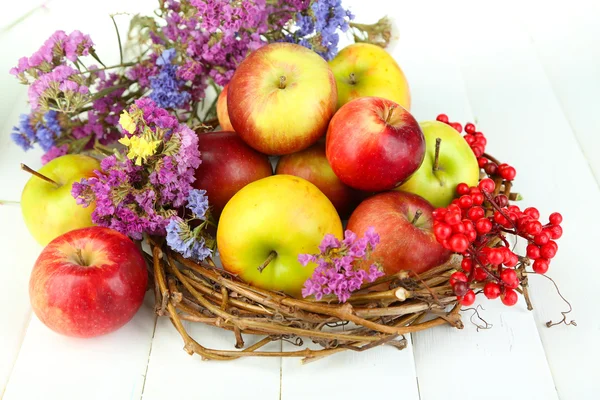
[
  {"x": 77, "y": 45},
  {"x": 198, "y": 203},
  {"x": 183, "y": 240},
  {"x": 337, "y": 272},
  {"x": 167, "y": 89}
]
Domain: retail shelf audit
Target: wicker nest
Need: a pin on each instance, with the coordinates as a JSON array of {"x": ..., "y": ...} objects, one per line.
[{"x": 380, "y": 313}]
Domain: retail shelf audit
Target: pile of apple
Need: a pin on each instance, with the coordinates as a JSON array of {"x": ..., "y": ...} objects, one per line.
[{"x": 345, "y": 147}]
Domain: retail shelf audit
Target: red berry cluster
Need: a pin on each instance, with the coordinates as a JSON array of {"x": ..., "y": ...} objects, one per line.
[
  {"x": 476, "y": 225},
  {"x": 477, "y": 142}
]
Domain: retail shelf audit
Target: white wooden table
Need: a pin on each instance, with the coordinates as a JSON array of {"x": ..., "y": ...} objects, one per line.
[{"x": 527, "y": 72}]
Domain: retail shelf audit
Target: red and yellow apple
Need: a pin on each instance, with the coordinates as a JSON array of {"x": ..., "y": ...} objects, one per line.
[
  {"x": 456, "y": 163},
  {"x": 404, "y": 222},
  {"x": 312, "y": 165},
  {"x": 222, "y": 114},
  {"x": 88, "y": 282},
  {"x": 281, "y": 98},
  {"x": 267, "y": 224},
  {"x": 374, "y": 144},
  {"x": 363, "y": 70},
  {"x": 228, "y": 164},
  {"x": 48, "y": 209}
]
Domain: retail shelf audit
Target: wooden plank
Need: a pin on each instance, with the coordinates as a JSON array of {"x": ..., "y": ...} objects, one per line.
[
  {"x": 527, "y": 125},
  {"x": 428, "y": 53},
  {"x": 172, "y": 373},
  {"x": 19, "y": 252},
  {"x": 51, "y": 366}
]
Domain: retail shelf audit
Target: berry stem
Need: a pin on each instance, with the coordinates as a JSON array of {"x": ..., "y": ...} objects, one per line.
[
  {"x": 436, "y": 159},
  {"x": 37, "y": 174},
  {"x": 270, "y": 258},
  {"x": 418, "y": 214}
]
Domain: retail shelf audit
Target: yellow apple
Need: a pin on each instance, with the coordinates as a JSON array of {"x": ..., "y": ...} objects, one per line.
[
  {"x": 363, "y": 70},
  {"x": 456, "y": 164},
  {"x": 48, "y": 209},
  {"x": 274, "y": 219}
]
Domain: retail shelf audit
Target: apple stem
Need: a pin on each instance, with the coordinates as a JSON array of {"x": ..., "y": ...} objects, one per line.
[
  {"x": 390, "y": 113},
  {"x": 80, "y": 259},
  {"x": 282, "y": 83},
  {"x": 436, "y": 160},
  {"x": 416, "y": 217},
  {"x": 352, "y": 78},
  {"x": 35, "y": 173},
  {"x": 270, "y": 258}
]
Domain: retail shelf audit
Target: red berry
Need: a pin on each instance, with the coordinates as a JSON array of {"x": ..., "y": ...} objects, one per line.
[
  {"x": 514, "y": 209},
  {"x": 478, "y": 199},
  {"x": 512, "y": 260},
  {"x": 442, "y": 118},
  {"x": 499, "y": 218},
  {"x": 534, "y": 228},
  {"x": 471, "y": 235},
  {"x": 470, "y": 128},
  {"x": 509, "y": 277},
  {"x": 495, "y": 256},
  {"x": 532, "y": 212},
  {"x": 556, "y": 232},
  {"x": 458, "y": 228},
  {"x": 456, "y": 126},
  {"x": 475, "y": 213},
  {"x": 491, "y": 290},
  {"x": 549, "y": 250},
  {"x": 466, "y": 264},
  {"x": 482, "y": 161},
  {"x": 462, "y": 188},
  {"x": 541, "y": 238},
  {"x": 508, "y": 173},
  {"x": 470, "y": 139},
  {"x": 468, "y": 298},
  {"x": 452, "y": 218},
  {"x": 446, "y": 244},
  {"x": 487, "y": 185},
  {"x": 541, "y": 265},
  {"x": 555, "y": 218},
  {"x": 439, "y": 213},
  {"x": 478, "y": 150},
  {"x": 465, "y": 201},
  {"x": 480, "y": 274},
  {"x": 460, "y": 288},
  {"x": 442, "y": 231},
  {"x": 533, "y": 251},
  {"x": 483, "y": 226},
  {"x": 509, "y": 298},
  {"x": 490, "y": 168},
  {"x": 458, "y": 276},
  {"x": 458, "y": 243},
  {"x": 480, "y": 140},
  {"x": 501, "y": 200}
]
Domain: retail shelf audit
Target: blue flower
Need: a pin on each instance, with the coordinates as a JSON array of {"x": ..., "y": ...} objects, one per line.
[
  {"x": 45, "y": 137},
  {"x": 166, "y": 57},
  {"x": 51, "y": 121},
  {"x": 198, "y": 203},
  {"x": 166, "y": 88},
  {"x": 24, "y": 134},
  {"x": 181, "y": 239}
]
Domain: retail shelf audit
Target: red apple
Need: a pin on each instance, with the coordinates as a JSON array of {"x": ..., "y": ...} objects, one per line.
[
  {"x": 88, "y": 282},
  {"x": 281, "y": 98},
  {"x": 228, "y": 164},
  {"x": 222, "y": 114},
  {"x": 374, "y": 144},
  {"x": 312, "y": 165},
  {"x": 404, "y": 222}
]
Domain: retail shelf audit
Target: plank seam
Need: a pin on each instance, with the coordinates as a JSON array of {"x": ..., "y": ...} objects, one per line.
[
  {"x": 412, "y": 342},
  {"x": 149, "y": 355},
  {"x": 12, "y": 367}
]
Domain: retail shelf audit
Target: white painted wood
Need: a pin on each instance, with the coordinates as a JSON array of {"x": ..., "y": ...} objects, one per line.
[
  {"x": 349, "y": 375},
  {"x": 19, "y": 252},
  {"x": 51, "y": 366},
  {"x": 526, "y": 123},
  {"x": 172, "y": 373}
]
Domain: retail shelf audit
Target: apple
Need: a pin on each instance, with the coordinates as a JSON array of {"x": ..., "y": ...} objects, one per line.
[
  {"x": 404, "y": 222},
  {"x": 267, "y": 224},
  {"x": 88, "y": 282},
  {"x": 222, "y": 114},
  {"x": 312, "y": 165},
  {"x": 374, "y": 144},
  {"x": 48, "y": 208},
  {"x": 363, "y": 70},
  {"x": 228, "y": 164},
  {"x": 281, "y": 98},
  {"x": 456, "y": 163}
]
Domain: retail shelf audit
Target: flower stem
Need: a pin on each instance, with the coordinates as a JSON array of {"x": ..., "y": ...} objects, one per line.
[
  {"x": 37, "y": 174},
  {"x": 112, "y": 16},
  {"x": 270, "y": 258},
  {"x": 436, "y": 160}
]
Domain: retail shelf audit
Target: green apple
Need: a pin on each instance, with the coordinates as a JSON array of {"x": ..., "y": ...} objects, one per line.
[
  {"x": 48, "y": 208},
  {"x": 266, "y": 225},
  {"x": 456, "y": 163}
]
